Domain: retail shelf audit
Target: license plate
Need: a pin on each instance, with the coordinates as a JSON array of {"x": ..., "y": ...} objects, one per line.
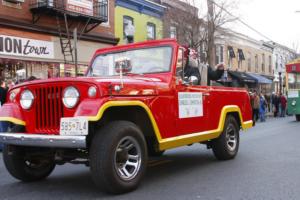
[{"x": 73, "y": 126}]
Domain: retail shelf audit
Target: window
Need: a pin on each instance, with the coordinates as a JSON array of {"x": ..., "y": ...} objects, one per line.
[
  {"x": 276, "y": 64},
  {"x": 219, "y": 54},
  {"x": 128, "y": 26},
  {"x": 263, "y": 63},
  {"x": 256, "y": 63},
  {"x": 231, "y": 55},
  {"x": 151, "y": 32},
  {"x": 249, "y": 62},
  {"x": 231, "y": 52},
  {"x": 270, "y": 64},
  {"x": 173, "y": 32},
  {"x": 103, "y": 10},
  {"x": 241, "y": 57}
]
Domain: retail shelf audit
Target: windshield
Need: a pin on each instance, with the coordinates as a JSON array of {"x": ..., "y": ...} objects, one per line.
[
  {"x": 294, "y": 81},
  {"x": 138, "y": 61}
]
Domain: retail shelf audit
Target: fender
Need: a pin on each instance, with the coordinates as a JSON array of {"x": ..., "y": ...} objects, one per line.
[
  {"x": 89, "y": 108},
  {"x": 168, "y": 143},
  {"x": 10, "y": 112}
]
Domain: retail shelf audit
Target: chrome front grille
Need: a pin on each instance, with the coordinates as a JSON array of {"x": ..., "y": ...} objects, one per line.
[{"x": 48, "y": 109}]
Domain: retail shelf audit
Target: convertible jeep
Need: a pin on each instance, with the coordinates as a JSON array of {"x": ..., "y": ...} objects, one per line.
[{"x": 130, "y": 105}]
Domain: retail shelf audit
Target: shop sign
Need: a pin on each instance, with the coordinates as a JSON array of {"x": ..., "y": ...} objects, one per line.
[
  {"x": 16, "y": 46},
  {"x": 80, "y": 6}
]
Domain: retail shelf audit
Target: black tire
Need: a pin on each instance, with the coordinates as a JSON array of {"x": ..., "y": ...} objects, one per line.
[
  {"x": 109, "y": 157},
  {"x": 298, "y": 118},
  {"x": 226, "y": 146},
  {"x": 26, "y": 169}
]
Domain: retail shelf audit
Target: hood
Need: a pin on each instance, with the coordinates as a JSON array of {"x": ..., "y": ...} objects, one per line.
[{"x": 129, "y": 86}]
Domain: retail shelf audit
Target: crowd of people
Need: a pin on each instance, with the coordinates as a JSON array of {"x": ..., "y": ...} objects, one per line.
[{"x": 260, "y": 106}]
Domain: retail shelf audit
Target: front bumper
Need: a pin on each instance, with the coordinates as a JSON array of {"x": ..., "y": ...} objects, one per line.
[{"x": 38, "y": 140}]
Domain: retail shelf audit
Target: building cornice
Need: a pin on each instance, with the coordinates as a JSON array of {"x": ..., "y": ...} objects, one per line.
[{"x": 143, "y": 6}]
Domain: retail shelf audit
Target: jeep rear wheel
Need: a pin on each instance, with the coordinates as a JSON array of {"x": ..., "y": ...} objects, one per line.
[
  {"x": 118, "y": 157},
  {"x": 298, "y": 118},
  {"x": 226, "y": 146},
  {"x": 26, "y": 168}
]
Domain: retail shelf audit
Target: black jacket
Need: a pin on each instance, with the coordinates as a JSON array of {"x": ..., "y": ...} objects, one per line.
[
  {"x": 3, "y": 93},
  {"x": 211, "y": 74}
]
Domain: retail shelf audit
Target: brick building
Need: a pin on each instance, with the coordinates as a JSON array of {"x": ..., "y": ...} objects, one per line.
[{"x": 36, "y": 35}]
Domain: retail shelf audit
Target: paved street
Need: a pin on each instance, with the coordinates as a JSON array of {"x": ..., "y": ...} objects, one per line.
[{"x": 267, "y": 167}]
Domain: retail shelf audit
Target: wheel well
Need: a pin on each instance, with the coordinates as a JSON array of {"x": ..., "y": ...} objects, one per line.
[
  {"x": 237, "y": 117},
  {"x": 135, "y": 114}
]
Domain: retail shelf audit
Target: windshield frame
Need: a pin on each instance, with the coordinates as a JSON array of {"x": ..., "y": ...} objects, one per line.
[{"x": 133, "y": 49}]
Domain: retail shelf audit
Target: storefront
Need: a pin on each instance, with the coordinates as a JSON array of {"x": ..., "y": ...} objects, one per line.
[
  {"x": 26, "y": 54},
  {"x": 264, "y": 85}
]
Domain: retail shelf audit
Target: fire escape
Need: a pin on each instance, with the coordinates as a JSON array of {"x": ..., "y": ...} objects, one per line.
[{"x": 69, "y": 14}]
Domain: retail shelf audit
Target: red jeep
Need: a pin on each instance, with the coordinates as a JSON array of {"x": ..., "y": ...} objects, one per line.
[{"x": 130, "y": 105}]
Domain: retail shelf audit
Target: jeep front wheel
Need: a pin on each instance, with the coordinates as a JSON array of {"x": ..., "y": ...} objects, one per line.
[
  {"x": 118, "y": 157},
  {"x": 298, "y": 118},
  {"x": 25, "y": 167},
  {"x": 226, "y": 146}
]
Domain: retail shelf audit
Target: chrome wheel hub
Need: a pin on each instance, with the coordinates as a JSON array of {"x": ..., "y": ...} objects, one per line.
[
  {"x": 231, "y": 138},
  {"x": 127, "y": 159}
]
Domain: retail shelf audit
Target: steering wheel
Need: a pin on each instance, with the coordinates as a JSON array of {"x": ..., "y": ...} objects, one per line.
[{"x": 156, "y": 69}]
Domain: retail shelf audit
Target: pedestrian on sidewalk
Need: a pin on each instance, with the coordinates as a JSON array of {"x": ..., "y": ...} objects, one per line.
[
  {"x": 255, "y": 106},
  {"x": 272, "y": 106},
  {"x": 262, "y": 107},
  {"x": 283, "y": 102},
  {"x": 276, "y": 105}
]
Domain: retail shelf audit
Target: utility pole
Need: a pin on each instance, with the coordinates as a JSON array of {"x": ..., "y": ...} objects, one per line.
[
  {"x": 75, "y": 51},
  {"x": 211, "y": 57}
]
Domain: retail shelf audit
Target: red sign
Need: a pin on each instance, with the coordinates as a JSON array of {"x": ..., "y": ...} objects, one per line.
[{"x": 80, "y": 6}]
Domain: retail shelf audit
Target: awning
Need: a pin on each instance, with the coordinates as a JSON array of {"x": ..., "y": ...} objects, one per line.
[
  {"x": 261, "y": 79},
  {"x": 243, "y": 77}
]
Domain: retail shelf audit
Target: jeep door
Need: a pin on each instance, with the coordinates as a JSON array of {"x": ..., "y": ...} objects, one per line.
[{"x": 192, "y": 109}]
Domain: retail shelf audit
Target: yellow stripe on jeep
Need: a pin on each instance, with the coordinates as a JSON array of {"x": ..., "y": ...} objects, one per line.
[
  {"x": 182, "y": 140},
  {"x": 13, "y": 120}
]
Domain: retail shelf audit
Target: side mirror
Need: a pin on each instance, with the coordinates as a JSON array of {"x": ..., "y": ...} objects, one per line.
[
  {"x": 123, "y": 65},
  {"x": 193, "y": 80}
]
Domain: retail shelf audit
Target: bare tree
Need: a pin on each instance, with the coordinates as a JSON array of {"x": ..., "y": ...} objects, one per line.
[
  {"x": 218, "y": 15},
  {"x": 183, "y": 15},
  {"x": 197, "y": 32}
]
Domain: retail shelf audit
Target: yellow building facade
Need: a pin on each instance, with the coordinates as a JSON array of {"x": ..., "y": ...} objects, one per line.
[{"x": 137, "y": 21}]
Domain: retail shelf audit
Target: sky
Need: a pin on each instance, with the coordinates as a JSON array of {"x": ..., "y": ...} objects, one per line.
[{"x": 276, "y": 19}]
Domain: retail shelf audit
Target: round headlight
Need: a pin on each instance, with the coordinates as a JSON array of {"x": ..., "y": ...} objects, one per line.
[
  {"x": 92, "y": 91},
  {"x": 12, "y": 96},
  {"x": 26, "y": 99},
  {"x": 70, "y": 97},
  {"x": 294, "y": 102}
]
